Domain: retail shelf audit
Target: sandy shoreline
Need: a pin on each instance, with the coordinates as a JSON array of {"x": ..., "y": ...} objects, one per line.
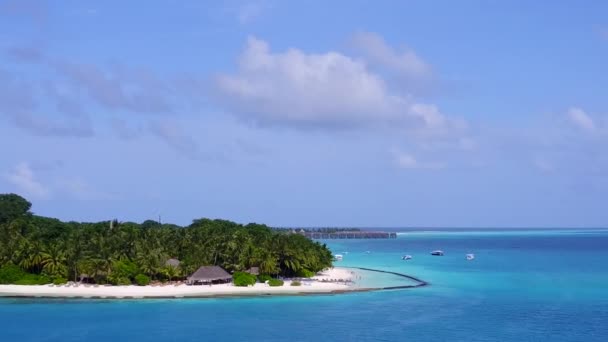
[{"x": 329, "y": 281}]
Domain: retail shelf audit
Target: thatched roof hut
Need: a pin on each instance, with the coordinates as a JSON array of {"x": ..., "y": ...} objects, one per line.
[
  {"x": 172, "y": 262},
  {"x": 209, "y": 275},
  {"x": 254, "y": 271}
]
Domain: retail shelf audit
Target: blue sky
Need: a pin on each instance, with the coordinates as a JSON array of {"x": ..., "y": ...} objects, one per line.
[{"x": 342, "y": 113}]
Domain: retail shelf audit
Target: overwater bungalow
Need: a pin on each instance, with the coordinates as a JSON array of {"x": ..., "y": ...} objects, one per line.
[{"x": 207, "y": 275}]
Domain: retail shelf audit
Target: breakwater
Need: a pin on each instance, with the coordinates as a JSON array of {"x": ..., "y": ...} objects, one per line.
[{"x": 419, "y": 282}]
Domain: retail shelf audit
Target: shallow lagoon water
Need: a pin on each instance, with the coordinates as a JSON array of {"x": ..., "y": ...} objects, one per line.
[{"x": 522, "y": 286}]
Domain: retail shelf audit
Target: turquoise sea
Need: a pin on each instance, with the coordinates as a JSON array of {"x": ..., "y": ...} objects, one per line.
[{"x": 524, "y": 285}]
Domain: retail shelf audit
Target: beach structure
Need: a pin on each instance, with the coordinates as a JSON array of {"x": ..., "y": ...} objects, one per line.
[
  {"x": 253, "y": 271},
  {"x": 172, "y": 262},
  {"x": 350, "y": 235},
  {"x": 207, "y": 275}
]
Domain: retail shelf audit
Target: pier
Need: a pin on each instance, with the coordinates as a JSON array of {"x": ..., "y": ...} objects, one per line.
[{"x": 350, "y": 235}]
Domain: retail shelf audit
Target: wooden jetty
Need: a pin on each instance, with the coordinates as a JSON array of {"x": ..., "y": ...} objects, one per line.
[{"x": 350, "y": 235}]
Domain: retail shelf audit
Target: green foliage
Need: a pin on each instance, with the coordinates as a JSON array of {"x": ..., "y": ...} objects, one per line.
[
  {"x": 10, "y": 274},
  {"x": 142, "y": 279},
  {"x": 59, "y": 281},
  {"x": 304, "y": 273},
  {"x": 170, "y": 272},
  {"x": 13, "y": 207},
  {"x": 123, "y": 281},
  {"x": 112, "y": 251},
  {"x": 33, "y": 279},
  {"x": 262, "y": 278},
  {"x": 243, "y": 279},
  {"x": 295, "y": 283},
  {"x": 124, "y": 269},
  {"x": 275, "y": 282}
]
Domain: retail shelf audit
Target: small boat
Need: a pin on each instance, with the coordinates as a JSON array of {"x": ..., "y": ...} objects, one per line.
[
  {"x": 367, "y": 252},
  {"x": 338, "y": 257},
  {"x": 437, "y": 253},
  {"x": 406, "y": 257},
  {"x": 470, "y": 256}
]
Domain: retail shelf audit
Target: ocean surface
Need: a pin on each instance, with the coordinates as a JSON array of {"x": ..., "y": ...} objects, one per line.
[{"x": 524, "y": 285}]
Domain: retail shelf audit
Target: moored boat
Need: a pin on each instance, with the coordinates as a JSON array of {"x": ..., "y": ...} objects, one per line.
[
  {"x": 437, "y": 253},
  {"x": 406, "y": 257}
]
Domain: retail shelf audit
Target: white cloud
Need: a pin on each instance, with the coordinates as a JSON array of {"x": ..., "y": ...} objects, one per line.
[
  {"x": 408, "y": 161},
  {"x": 429, "y": 114},
  {"x": 174, "y": 136},
  {"x": 581, "y": 119},
  {"x": 321, "y": 90},
  {"x": 377, "y": 51},
  {"x": 24, "y": 179}
]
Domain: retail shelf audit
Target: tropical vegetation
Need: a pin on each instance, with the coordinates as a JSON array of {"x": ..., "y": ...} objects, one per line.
[
  {"x": 243, "y": 279},
  {"x": 275, "y": 282},
  {"x": 37, "y": 249}
]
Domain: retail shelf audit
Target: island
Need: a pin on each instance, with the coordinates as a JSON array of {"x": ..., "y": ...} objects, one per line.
[{"x": 46, "y": 257}]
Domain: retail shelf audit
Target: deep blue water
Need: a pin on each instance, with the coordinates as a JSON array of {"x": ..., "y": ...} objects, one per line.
[{"x": 522, "y": 286}]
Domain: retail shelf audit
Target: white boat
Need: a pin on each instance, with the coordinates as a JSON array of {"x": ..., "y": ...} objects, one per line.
[
  {"x": 406, "y": 257},
  {"x": 470, "y": 256},
  {"x": 338, "y": 257},
  {"x": 437, "y": 253}
]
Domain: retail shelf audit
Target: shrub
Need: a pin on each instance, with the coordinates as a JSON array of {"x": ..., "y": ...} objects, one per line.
[
  {"x": 262, "y": 278},
  {"x": 59, "y": 281},
  {"x": 10, "y": 274},
  {"x": 33, "y": 279},
  {"x": 304, "y": 273},
  {"x": 243, "y": 279},
  {"x": 295, "y": 283},
  {"x": 275, "y": 282},
  {"x": 124, "y": 269},
  {"x": 124, "y": 281},
  {"x": 142, "y": 279}
]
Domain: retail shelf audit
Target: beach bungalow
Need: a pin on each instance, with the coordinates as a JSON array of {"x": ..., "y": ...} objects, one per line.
[
  {"x": 254, "y": 271},
  {"x": 209, "y": 275},
  {"x": 172, "y": 262}
]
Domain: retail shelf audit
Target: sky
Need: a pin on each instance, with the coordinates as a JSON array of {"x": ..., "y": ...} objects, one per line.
[{"x": 308, "y": 113}]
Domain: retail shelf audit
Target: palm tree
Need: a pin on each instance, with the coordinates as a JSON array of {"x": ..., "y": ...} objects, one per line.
[
  {"x": 170, "y": 272},
  {"x": 30, "y": 255},
  {"x": 74, "y": 252},
  {"x": 268, "y": 263},
  {"x": 54, "y": 260}
]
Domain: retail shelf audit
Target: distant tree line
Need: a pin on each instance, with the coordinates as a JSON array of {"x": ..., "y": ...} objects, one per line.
[
  {"x": 322, "y": 230},
  {"x": 36, "y": 249}
]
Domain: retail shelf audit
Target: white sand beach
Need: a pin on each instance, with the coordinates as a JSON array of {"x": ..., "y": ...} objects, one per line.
[
  {"x": 318, "y": 284},
  {"x": 336, "y": 274}
]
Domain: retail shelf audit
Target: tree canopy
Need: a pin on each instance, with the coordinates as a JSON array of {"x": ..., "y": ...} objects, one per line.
[
  {"x": 118, "y": 252},
  {"x": 12, "y": 207}
]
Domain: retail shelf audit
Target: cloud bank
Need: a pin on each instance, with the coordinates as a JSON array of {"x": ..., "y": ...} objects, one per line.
[{"x": 327, "y": 90}]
